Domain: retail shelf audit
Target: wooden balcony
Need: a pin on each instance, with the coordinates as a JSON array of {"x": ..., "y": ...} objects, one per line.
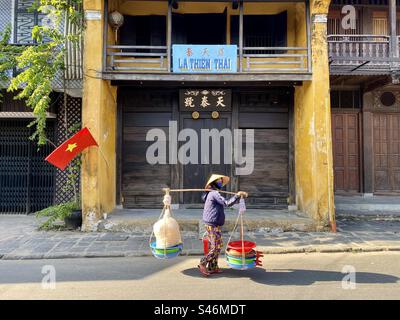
[
  {"x": 255, "y": 63},
  {"x": 362, "y": 54},
  {"x": 155, "y": 59}
]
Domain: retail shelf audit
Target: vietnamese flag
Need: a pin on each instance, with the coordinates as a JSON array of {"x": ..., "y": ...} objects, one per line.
[{"x": 64, "y": 153}]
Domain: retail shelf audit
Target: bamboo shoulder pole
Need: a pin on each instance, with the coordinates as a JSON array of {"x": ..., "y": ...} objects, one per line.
[{"x": 167, "y": 190}]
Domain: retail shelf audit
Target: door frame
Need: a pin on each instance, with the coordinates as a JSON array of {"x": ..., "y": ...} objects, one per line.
[
  {"x": 182, "y": 117},
  {"x": 360, "y": 148}
]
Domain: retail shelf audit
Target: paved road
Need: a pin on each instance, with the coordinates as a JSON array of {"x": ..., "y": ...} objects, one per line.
[{"x": 287, "y": 276}]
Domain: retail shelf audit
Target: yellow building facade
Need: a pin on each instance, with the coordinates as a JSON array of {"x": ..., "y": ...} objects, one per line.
[{"x": 280, "y": 89}]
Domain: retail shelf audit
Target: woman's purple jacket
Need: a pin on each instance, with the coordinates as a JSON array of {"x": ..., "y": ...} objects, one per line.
[{"x": 213, "y": 213}]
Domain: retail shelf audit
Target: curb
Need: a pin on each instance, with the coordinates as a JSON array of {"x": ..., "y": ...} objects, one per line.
[{"x": 196, "y": 252}]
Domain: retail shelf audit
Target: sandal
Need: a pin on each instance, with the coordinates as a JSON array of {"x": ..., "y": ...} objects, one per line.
[{"x": 203, "y": 270}]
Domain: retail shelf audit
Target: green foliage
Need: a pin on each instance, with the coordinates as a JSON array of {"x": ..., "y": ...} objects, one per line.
[
  {"x": 8, "y": 55},
  {"x": 40, "y": 63},
  {"x": 56, "y": 213}
]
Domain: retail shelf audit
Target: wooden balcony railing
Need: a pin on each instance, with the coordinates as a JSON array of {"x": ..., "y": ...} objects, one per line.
[
  {"x": 275, "y": 59},
  {"x": 145, "y": 59},
  {"x": 361, "y": 52},
  {"x": 354, "y": 46},
  {"x": 137, "y": 58}
]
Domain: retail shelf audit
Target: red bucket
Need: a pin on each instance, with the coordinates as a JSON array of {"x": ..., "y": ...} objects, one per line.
[{"x": 238, "y": 245}]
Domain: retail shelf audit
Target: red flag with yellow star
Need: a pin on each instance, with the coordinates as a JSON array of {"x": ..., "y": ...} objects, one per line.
[{"x": 64, "y": 153}]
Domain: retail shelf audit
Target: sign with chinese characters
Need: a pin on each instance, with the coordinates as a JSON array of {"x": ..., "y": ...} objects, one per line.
[
  {"x": 205, "y": 99},
  {"x": 204, "y": 58}
]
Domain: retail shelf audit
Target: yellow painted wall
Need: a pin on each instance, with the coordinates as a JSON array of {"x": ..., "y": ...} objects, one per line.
[
  {"x": 99, "y": 115},
  {"x": 313, "y": 141},
  {"x": 313, "y": 148}
]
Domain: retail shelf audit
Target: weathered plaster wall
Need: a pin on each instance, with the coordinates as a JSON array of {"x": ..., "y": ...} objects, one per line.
[
  {"x": 313, "y": 141},
  {"x": 99, "y": 115}
]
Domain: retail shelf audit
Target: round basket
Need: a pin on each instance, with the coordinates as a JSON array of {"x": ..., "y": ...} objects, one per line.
[
  {"x": 241, "y": 255},
  {"x": 167, "y": 253}
]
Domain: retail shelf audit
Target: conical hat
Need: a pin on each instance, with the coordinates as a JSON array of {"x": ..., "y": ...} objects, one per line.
[{"x": 214, "y": 177}]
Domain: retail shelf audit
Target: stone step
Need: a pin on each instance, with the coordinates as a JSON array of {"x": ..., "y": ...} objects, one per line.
[
  {"x": 142, "y": 220},
  {"x": 367, "y": 215},
  {"x": 367, "y": 207}
]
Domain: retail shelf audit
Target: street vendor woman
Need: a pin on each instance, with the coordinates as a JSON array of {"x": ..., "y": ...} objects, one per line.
[{"x": 214, "y": 219}]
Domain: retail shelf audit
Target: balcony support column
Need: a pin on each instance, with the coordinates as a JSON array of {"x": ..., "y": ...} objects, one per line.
[
  {"x": 241, "y": 36},
  {"x": 394, "y": 46},
  {"x": 308, "y": 31},
  {"x": 169, "y": 35}
]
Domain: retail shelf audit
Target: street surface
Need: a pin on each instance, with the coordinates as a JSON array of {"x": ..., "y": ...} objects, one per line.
[{"x": 284, "y": 276}]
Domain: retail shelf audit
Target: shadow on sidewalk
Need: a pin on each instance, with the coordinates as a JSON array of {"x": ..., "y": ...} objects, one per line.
[{"x": 285, "y": 277}]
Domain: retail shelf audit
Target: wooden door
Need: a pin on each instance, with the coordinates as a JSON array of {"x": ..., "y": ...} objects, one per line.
[
  {"x": 386, "y": 144},
  {"x": 196, "y": 175},
  {"x": 141, "y": 182},
  {"x": 346, "y": 151},
  {"x": 267, "y": 113}
]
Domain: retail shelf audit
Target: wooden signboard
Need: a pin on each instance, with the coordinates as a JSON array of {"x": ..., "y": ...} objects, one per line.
[{"x": 205, "y": 100}]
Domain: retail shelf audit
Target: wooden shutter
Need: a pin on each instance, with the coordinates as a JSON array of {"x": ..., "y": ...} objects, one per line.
[
  {"x": 280, "y": 29},
  {"x": 380, "y": 23},
  {"x": 179, "y": 35}
]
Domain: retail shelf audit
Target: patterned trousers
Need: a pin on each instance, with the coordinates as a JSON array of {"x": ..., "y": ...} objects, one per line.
[{"x": 214, "y": 235}]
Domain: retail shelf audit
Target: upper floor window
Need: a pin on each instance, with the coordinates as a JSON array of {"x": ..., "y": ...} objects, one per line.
[
  {"x": 376, "y": 22},
  {"x": 261, "y": 31},
  {"x": 335, "y": 18},
  {"x": 143, "y": 31},
  {"x": 25, "y": 19},
  {"x": 380, "y": 23},
  {"x": 343, "y": 99},
  {"x": 199, "y": 28}
]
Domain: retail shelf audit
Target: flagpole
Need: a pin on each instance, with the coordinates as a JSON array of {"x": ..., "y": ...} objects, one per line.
[{"x": 49, "y": 141}]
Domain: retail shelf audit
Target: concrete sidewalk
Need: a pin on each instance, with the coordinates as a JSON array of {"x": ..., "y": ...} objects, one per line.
[{"x": 19, "y": 239}]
